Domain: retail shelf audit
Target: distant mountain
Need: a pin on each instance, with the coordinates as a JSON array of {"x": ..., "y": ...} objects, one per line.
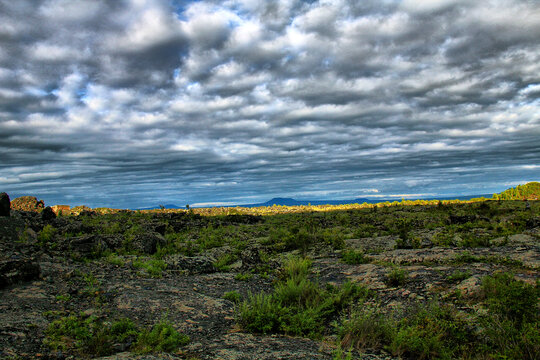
[
  {"x": 166, "y": 206},
  {"x": 529, "y": 191},
  {"x": 283, "y": 201},
  {"x": 293, "y": 202}
]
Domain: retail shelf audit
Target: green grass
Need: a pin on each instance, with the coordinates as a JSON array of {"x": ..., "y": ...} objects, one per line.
[
  {"x": 297, "y": 306},
  {"x": 243, "y": 276},
  {"x": 233, "y": 296},
  {"x": 88, "y": 335},
  {"x": 509, "y": 329},
  {"x": 91, "y": 335},
  {"x": 396, "y": 277},
  {"x": 458, "y": 276},
  {"x": 153, "y": 267},
  {"x": 46, "y": 236},
  {"x": 354, "y": 257},
  {"x": 162, "y": 337}
]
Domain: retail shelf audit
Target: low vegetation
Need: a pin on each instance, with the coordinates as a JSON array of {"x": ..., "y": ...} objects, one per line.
[
  {"x": 91, "y": 335},
  {"x": 410, "y": 279},
  {"x": 297, "y": 305},
  {"x": 509, "y": 328}
]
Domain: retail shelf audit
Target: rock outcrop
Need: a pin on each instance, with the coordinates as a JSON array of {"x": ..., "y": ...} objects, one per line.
[
  {"x": 17, "y": 270},
  {"x": 48, "y": 214},
  {"x": 27, "y": 203},
  {"x": 5, "y": 204},
  {"x": 61, "y": 209}
]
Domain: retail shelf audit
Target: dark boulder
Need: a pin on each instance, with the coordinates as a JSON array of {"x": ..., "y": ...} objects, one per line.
[
  {"x": 48, "y": 214},
  {"x": 146, "y": 243},
  {"x": 17, "y": 270},
  {"x": 5, "y": 204},
  {"x": 27, "y": 203},
  {"x": 251, "y": 258},
  {"x": 86, "y": 245},
  {"x": 533, "y": 222},
  {"x": 460, "y": 219}
]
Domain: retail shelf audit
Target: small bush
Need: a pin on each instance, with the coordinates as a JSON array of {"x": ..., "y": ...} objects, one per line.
[
  {"x": 114, "y": 259},
  {"x": 297, "y": 306},
  {"x": 295, "y": 267},
  {"x": 396, "y": 277},
  {"x": 162, "y": 337},
  {"x": 334, "y": 237},
  {"x": 366, "y": 328},
  {"x": 88, "y": 335},
  {"x": 458, "y": 276},
  {"x": 511, "y": 299},
  {"x": 433, "y": 332},
  {"x": 260, "y": 313},
  {"x": 243, "y": 276},
  {"x": 354, "y": 257},
  {"x": 233, "y": 296},
  {"x": 222, "y": 264},
  {"x": 46, "y": 235},
  {"x": 153, "y": 267}
]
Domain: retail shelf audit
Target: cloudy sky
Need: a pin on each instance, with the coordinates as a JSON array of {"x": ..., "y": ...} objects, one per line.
[{"x": 143, "y": 102}]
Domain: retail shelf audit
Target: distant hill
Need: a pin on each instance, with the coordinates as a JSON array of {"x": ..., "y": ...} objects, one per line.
[
  {"x": 283, "y": 201},
  {"x": 529, "y": 191},
  {"x": 166, "y": 206},
  {"x": 293, "y": 202}
]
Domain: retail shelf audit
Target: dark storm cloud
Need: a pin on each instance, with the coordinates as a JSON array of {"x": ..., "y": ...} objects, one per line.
[{"x": 133, "y": 103}]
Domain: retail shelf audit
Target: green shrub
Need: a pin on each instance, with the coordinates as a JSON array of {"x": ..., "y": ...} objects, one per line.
[
  {"x": 433, "y": 332},
  {"x": 260, "y": 313},
  {"x": 334, "y": 237},
  {"x": 340, "y": 354},
  {"x": 233, "y": 296},
  {"x": 508, "y": 340},
  {"x": 293, "y": 238},
  {"x": 114, "y": 259},
  {"x": 297, "y": 305},
  {"x": 353, "y": 257},
  {"x": 295, "y": 267},
  {"x": 396, "y": 277},
  {"x": 366, "y": 328},
  {"x": 511, "y": 299},
  {"x": 162, "y": 337},
  {"x": 222, "y": 264},
  {"x": 243, "y": 276},
  {"x": 298, "y": 291},
  {"x": 153, "y": 267},
  {"x": 88, "y": 335},
  {"x": 458, "y": 276},
  {"x": 365, "y": 230},
  {"x": 46, "y": 235}
]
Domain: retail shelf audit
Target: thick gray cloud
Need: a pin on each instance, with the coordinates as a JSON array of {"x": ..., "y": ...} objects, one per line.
[{"x": 138, "y": 102}]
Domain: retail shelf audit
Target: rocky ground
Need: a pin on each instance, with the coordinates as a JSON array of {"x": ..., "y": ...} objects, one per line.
[{"x": 44, "y": 277}]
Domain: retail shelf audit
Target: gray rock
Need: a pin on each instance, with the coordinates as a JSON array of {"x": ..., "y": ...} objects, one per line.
[
  {"x": 147, "y": 243},
  {"x": 5, "y": 204},
  {"x": 16, "y": 270},
  {"x": 86, "y": 245},
  {"x": 191, "y": 264},
  {"x": 251, "y": 258}
]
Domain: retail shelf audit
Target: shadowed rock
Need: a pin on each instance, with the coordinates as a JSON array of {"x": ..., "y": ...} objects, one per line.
[
  {"x": 48, "y": 214},
  {"x": 147, "y": 243},
  {"x": 4, "y": 204},
  {"x": 16, "y": 270}
]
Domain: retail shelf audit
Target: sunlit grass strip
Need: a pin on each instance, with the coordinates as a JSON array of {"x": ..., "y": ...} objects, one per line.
[{"x": 285, "y": 209}]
